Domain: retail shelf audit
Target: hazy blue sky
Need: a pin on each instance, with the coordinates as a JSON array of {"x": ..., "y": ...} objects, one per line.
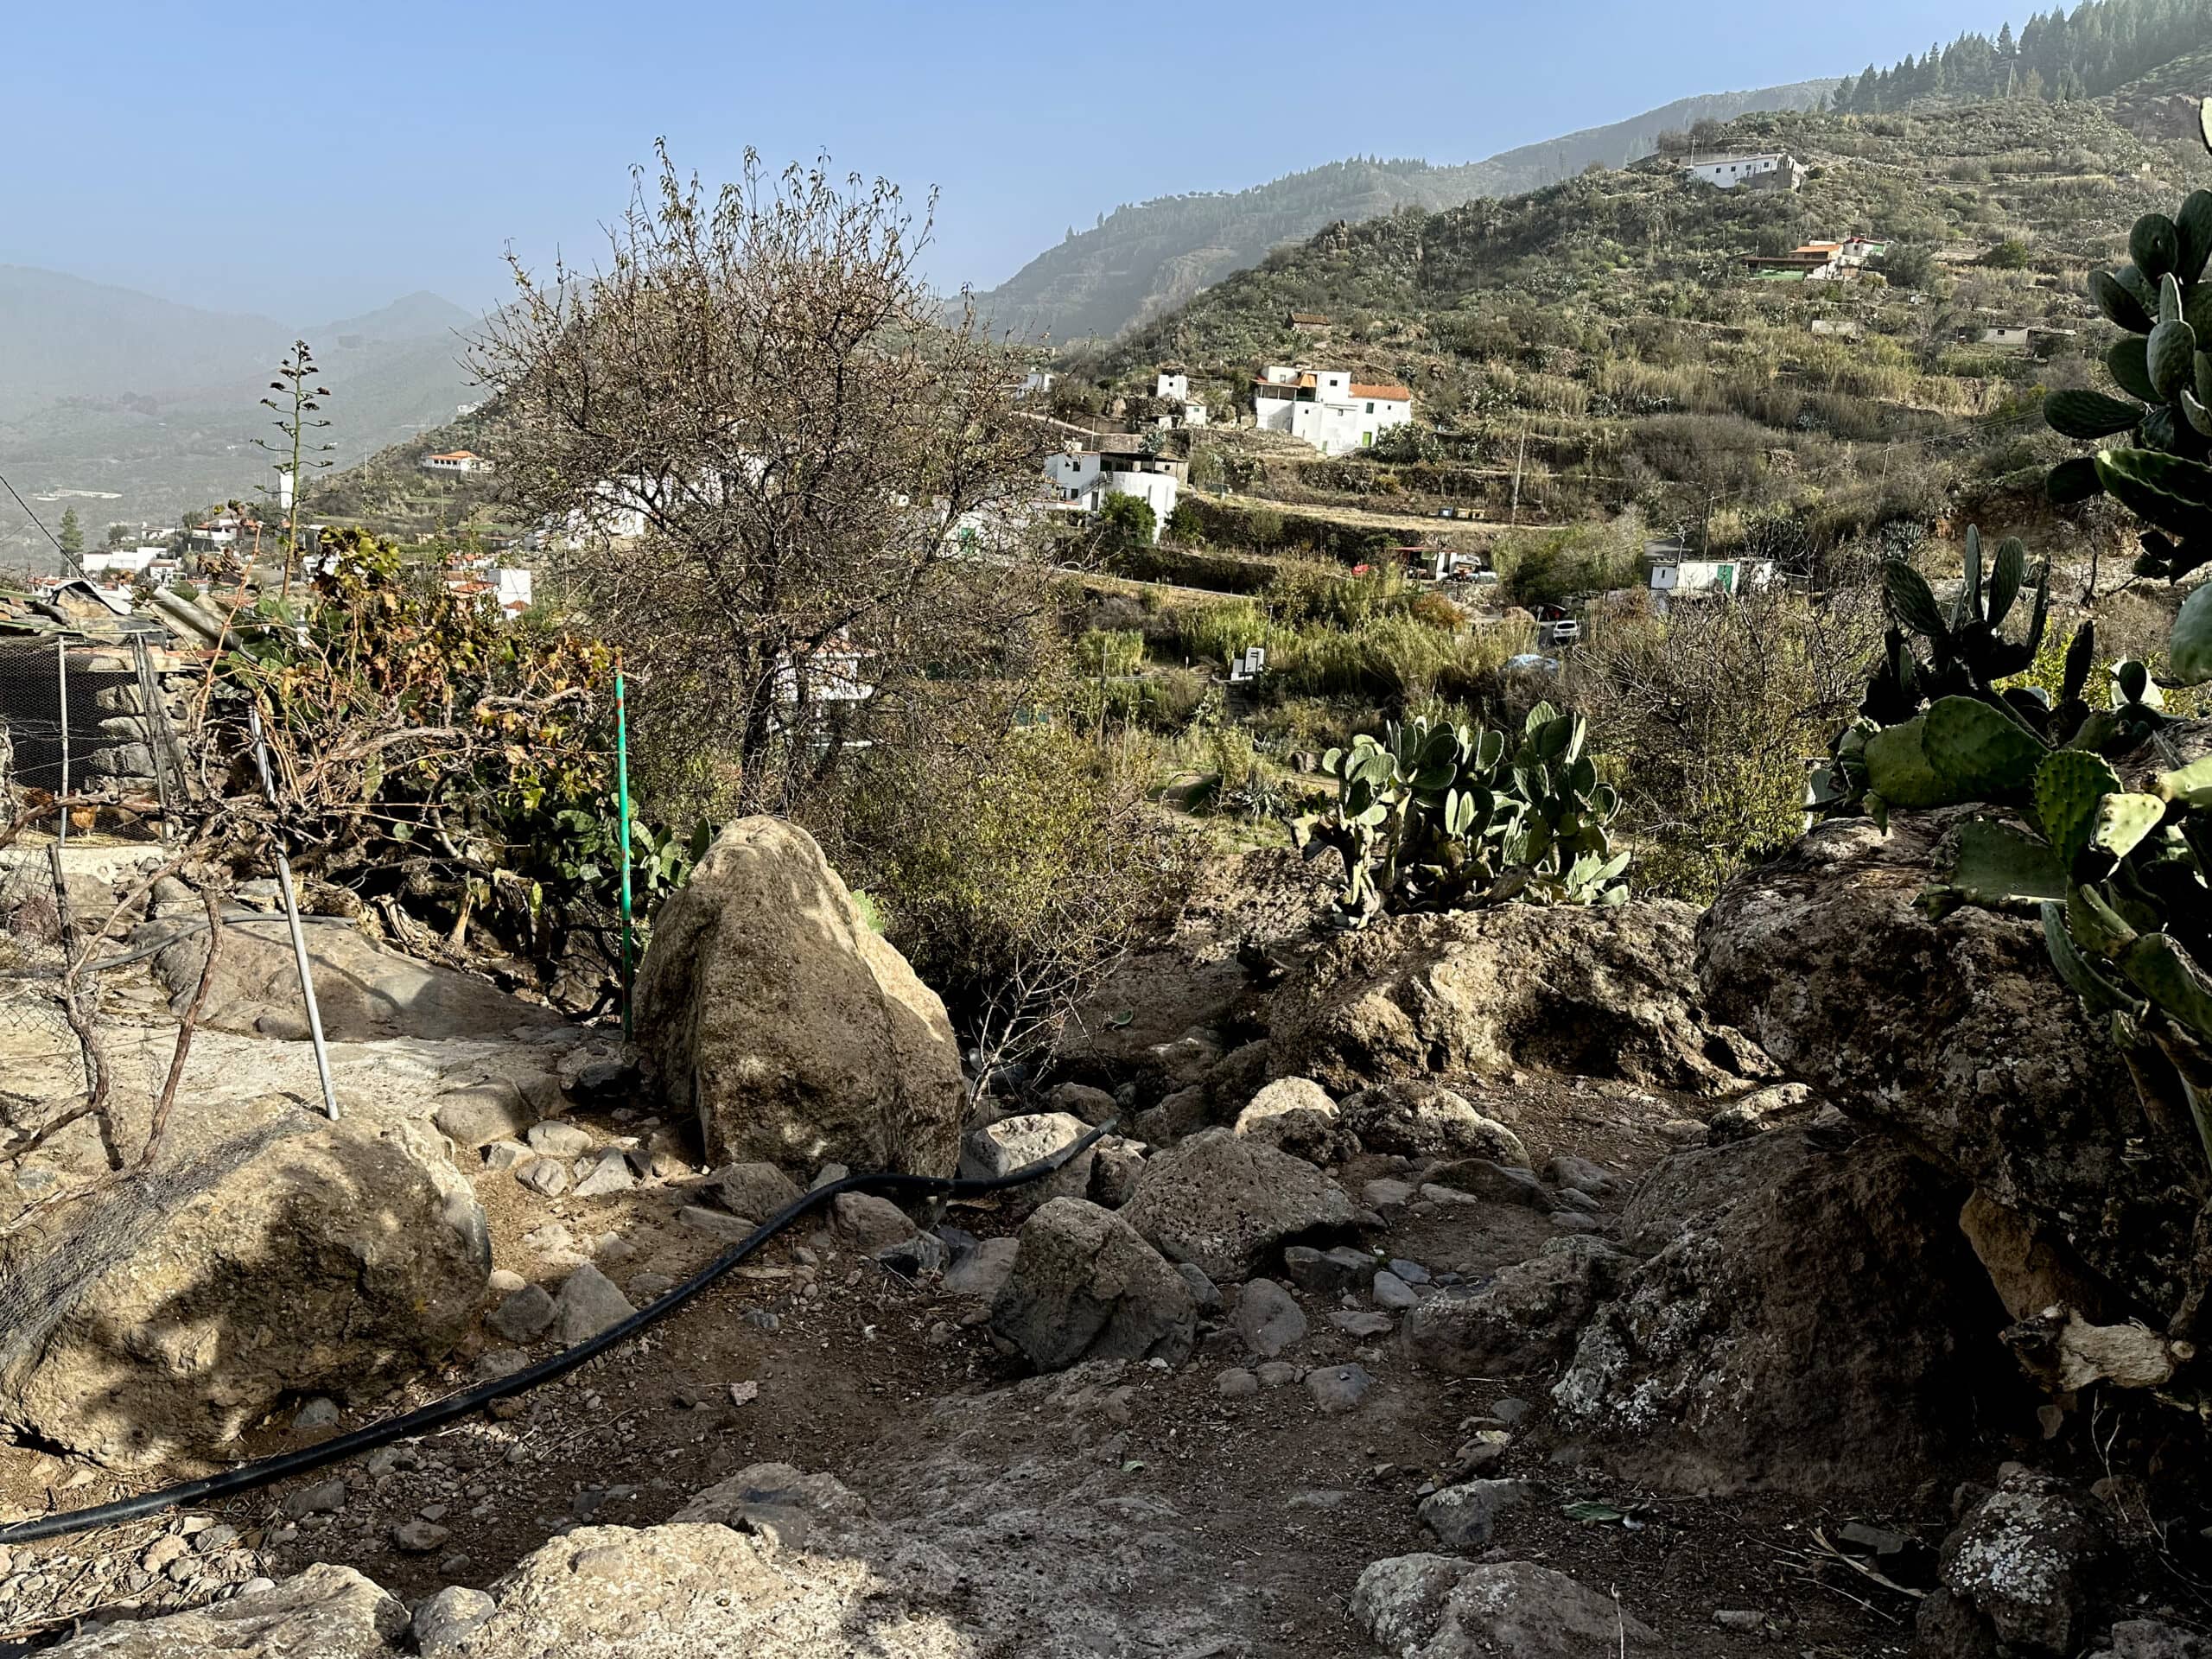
[{"x": 315, "y": 161}]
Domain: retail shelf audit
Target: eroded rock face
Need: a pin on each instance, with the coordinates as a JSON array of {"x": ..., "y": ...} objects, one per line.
[
  {"x": 1957, "y": 1036},
  {"x": 1797, "y": 1308},
  {"x": 1226, "y": 1202},
  {"x": 298, "y": 1256},
  {"x": 1589, "y": 993},
  {"x": 1086, "y": 1285},
  {"x": 797, "y": 1034}
]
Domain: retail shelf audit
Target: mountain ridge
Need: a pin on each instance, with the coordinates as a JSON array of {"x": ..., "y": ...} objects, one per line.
[{"x": 1145, "y": 258}]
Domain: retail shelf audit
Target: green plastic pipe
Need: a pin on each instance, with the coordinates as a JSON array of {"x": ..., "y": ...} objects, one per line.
[{"x": 622, "y": 799}]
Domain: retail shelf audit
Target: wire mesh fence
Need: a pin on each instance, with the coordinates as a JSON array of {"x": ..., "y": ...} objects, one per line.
[{"x": 34, "y": 709}]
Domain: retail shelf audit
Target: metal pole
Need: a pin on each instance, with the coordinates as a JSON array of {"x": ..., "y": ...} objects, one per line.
[
  {"x": 622, "y": 800},
  {"x": 62, "y": 700},
  {"x": 292, "y": 921},
  {"x": 149, "y": 697}
]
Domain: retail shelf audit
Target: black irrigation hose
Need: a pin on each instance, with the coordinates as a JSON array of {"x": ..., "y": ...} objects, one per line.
[{"x": 247, "y": 1476}]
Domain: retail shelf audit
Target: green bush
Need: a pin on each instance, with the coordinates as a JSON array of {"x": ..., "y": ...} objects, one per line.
[
  {"x": 1011, "y": 867},
  {"x": 1110, "y": 651},
  {"x": 1551, "y": 567},
  {"x": 1126, "y": 521}
]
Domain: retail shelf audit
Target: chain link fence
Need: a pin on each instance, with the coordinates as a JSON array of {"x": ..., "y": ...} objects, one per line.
[
  {"x": 34, "y": 770},
  {"x": 85, "y": 757}
]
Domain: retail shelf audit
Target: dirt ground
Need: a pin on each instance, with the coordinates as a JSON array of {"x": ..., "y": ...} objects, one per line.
[{"x": 1250, "y": 1517}]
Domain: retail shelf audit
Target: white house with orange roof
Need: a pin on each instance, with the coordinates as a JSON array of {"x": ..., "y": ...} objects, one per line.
[
  {"x": 456, "y": 462},
  {"x": 1327, "y": 408}
]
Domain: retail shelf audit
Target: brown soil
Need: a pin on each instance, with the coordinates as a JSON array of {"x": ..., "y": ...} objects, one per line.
[{"x": 1260, "y": 1507}]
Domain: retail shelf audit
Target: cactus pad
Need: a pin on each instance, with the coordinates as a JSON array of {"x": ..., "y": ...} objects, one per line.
[{"x": 2068, "y": 786}]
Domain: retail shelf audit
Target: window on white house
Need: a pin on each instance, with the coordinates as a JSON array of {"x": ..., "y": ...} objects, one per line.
[{"x": 1370, "y": 409}]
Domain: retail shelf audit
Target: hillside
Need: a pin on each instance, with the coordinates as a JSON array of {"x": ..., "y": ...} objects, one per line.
[
  {"x": 1150, "y": 257},
  {"x": 1601, "y": 339},
  {"x": 144, "y": 407}
]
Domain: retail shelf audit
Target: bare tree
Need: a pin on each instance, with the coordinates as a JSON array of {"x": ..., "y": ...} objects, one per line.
[{"x": 791, "y": 491}]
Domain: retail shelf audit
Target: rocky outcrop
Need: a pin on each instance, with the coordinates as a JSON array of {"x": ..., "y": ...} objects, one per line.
[
  {"x": 326, "y": 1612},
  {"x": 772, "y": 1562},
  {"x": 1226, "y": 1203},
  {"x": 1086, "y": 1285},
  {"x": 1448, "y": 1607},
  {"x": 1607, "y": 993},
  {"x": 794, "y": 1031},
  {"x": 363, "y": 993},
  {"x": 1525, "y": 1319},
  {"x": 1798, "y": 1307},
  {"x": 2022, "y": 1570},
  {"x": 1957, "y": 1036},
  {"x": 165, "y": 1315},
  {"x": 1419, "y": 1120}
]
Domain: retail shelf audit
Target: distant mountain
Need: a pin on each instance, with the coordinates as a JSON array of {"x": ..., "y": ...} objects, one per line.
[
  {"x": 1150, "y": 257},
  {"x": 145, "y": 408},
  {"x": 62, "y": 337}
]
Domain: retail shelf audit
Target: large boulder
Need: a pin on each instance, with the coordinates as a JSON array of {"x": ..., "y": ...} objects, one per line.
[
  {"x": 1525, "y": 1318},
  {"x": 1419, "y": 1120},
  {"x": 2026, "y": 1564},
  {"x": 1957, "y": 1036},
  {"x": 1226, "y": 1203},
  {"x": 1801, "y": 1310},
  {"x": 363, "y": 992},
  {"x": 1606, "y": 993},
  {"x": 1295, "y": 1115},
  {"x": 767, "y": 1006},
  {"x": 164, "y": 1315},
  {"x": 1086, "y": 1285},
  {"x": 326, "y": 1612},
  {"x": 1448, "y": 1607}
]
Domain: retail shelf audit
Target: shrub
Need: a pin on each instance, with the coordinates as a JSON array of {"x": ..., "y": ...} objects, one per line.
[
  {"x": 1550, "y": 567},
  {"x": 1708, "y": 720},
  {"x": 1110, "y": 651},
  {"x": 1012, "y": 867},
  {"x": 1126, "y": 521}
]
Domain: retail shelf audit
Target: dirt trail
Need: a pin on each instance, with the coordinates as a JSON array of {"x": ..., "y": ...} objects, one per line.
[{"x": 1133, "y": 1509}]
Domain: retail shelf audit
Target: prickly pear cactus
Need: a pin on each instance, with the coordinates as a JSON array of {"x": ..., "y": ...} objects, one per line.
[{"x": 1435, "y": 817}]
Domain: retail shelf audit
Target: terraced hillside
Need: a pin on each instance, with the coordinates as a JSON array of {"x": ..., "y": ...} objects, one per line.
[{"x": 1602, "y": 341}]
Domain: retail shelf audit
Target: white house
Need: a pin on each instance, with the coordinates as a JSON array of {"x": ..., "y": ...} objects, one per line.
[
  {"x": 1085, "y": 478},
  {"x": 1774, "y": 171},
  {"x": 454, "y": 462},
  {"x": 616, "y": 513},
  {"x": 1674, "y": 572},
  {"x": 1176, "y": 389},
  {"x": 1327, "y": 408},
  {"x": 122, "y": 561}
]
